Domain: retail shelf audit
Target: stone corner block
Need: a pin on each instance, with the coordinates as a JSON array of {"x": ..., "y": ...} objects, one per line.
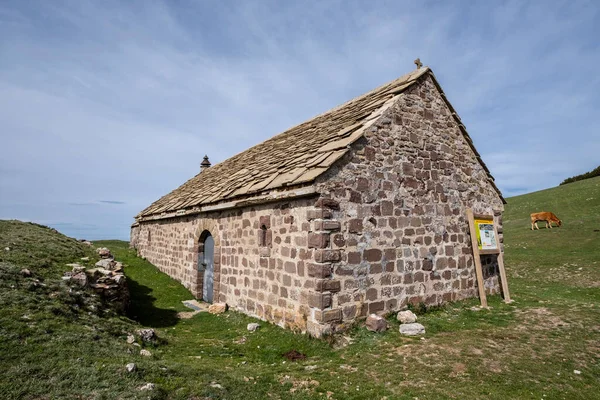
[
  {"x": 318, "y": 214},
  {"x": 319, "y": 300},
  {"x": 318, "y": 240},
  {"x": 324, "y": 256},
  {"x": 328, "y": 285},
  {"x": 325, "y": 316},
  {"x": 327, "y": 225},
  {"x": 319, "y": 270}
]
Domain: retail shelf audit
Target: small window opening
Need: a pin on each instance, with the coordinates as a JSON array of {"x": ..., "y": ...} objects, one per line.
[{"x": 262, "y": 238}]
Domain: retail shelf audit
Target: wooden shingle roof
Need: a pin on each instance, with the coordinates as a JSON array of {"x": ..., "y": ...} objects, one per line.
[{"x": 294, "y": 157}]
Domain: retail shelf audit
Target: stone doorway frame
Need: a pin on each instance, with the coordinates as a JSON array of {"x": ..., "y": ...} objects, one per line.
[{"x": 205, "y": 228}]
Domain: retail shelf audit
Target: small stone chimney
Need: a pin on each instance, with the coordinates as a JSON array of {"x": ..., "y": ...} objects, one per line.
[{"x": 204, "y": 164}]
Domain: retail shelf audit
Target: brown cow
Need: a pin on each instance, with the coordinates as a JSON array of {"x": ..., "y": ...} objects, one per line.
[{"x": 545, "y": 216}]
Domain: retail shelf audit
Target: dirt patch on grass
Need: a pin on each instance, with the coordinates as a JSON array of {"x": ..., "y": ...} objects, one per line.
[
  {"x": 294, "y": 355},
  {"x": 458, "y": 369},
  {"x": 539, "y": 318}
]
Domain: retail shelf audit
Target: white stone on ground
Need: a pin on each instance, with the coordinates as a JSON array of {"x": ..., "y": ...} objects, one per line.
[
  {"x": 147, "y": 386},
  {"x": 145, "y": 353},
  {"x": 253, "y": 326},
  {"x": 406, "y": 317},
  {"x": 131, "y": 367},
  {"x": 412, "y": 329},
  {"x": 217, "y": 308}
]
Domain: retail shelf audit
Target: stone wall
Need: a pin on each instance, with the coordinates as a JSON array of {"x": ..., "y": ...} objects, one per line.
[
  {"x": 266, "y": 272},
  {"x": 134, "y": 235},
  {"x": 400, "y": 197}
]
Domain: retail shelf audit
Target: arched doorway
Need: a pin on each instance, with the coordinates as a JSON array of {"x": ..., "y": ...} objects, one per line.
[{"x": 206, "y": 265}]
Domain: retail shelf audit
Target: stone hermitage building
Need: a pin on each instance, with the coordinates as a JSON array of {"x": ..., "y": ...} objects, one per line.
[{"x": 359, "y": 210}]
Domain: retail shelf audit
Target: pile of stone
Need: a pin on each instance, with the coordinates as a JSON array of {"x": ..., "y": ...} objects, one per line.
[
  {"x": 409, "y": 325},
  {"x": 103, "y": 252},
  {"x": 107, "y": 279},
  {"x": 407, "y": 319}
]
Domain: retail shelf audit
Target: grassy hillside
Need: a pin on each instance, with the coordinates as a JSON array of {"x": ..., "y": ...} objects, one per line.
[
  {"x": 39, "y": 248},
  {"x": 57, "y": 340},
  {"x": 570, "y": 253},
  {"x": 543, "y": 346}
]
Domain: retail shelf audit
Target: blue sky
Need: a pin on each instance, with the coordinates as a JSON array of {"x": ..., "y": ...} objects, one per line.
[{"x": 106, "y": 106}]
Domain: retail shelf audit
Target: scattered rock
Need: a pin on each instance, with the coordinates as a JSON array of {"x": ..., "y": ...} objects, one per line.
[
  {"x": 77, "y": 269},
  {"x": 577, "y": 372},
  {"x": 217, "y": 308},
  {"x": 106, "y": 263},
  {"x": 130, "y": 339},
  {"x": 97, "y": 272},
  {"x": 195, "y": 305},
  {"x": 103, "y": 252},
  {"x": 7, "y": 249},
  {"x": 85, "y": 259},
  {"x": 375, "y": 323},
  {"x": 145, "y": 353},
  {"x": 216, "y": 385},
  {"x": 310, "y": 367},
  {"x": 25, "y": 272},
  {"x": 147, "y": 386},
  {"x": 253, "y": 326},
  {"x": 131, "y": 367},
  {"x": 412, "y": 329},
  {"x": 406, "y": 317},
  {"x": 80, "y": 279},
  {"x": 147, "y": 335}
]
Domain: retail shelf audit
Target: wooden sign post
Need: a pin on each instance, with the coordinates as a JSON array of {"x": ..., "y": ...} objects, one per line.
[{"x": 485, "y": 240}]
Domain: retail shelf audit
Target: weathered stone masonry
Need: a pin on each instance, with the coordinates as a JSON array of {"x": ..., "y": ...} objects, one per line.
[
  {"x": 274, "y": 282},
  {"x": 382, "y": 225},
  {"x": 401, "y": 196}
]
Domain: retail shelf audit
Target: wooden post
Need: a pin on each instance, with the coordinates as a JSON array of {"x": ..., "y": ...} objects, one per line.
[
  {"x": 477, "y": 258},
  {"x": 503, "y": 282}
]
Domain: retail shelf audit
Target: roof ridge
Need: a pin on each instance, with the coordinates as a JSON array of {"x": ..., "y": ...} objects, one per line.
[{"x": 296, "y": 156}]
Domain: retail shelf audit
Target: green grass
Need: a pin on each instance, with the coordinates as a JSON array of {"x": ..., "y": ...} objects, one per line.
[
  {"x": 526, "y": 350},
  {"x": 40, "y": 248}
]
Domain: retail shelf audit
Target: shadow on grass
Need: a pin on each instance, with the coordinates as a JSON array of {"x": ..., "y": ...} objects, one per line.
[{"x": 143, "y": 310}]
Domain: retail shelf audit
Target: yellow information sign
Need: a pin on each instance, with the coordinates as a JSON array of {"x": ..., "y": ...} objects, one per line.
[{"x": 486, "y": 235}]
